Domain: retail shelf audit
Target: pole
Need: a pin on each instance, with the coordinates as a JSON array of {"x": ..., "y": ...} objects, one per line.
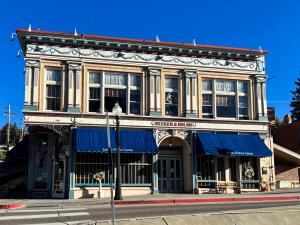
[
  {"x": 8, "y": 129},
  {"x": 111, "y": 178},
  {"x": 118, "y": 193}
]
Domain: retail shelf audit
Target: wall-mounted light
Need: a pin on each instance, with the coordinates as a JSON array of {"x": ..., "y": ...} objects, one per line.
[
  {"x": 12, "y": 37},
  {"x": 19, "y": 53}
]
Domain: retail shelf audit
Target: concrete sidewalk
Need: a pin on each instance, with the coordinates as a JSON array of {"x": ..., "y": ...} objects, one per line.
[{"x": 278, "y": 195}]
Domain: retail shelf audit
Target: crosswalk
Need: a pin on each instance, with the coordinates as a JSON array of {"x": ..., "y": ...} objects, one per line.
[{"x": 45, "y": 216}]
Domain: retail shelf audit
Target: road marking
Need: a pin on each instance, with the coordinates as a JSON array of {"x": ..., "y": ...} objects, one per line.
[
  {"x": 41, "y": 210},
  {"x": 85, "y": 222},
  {"x": 43, "y": 216}
]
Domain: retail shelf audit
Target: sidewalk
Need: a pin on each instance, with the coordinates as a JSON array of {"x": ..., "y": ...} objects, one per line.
[{"x": 278, "y": 195}]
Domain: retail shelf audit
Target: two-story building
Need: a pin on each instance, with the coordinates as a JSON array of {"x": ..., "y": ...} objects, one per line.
[{"x": 193, "y": 116}]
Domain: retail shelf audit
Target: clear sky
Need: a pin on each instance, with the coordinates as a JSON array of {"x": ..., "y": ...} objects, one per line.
[{"x": 272, "y": 24}]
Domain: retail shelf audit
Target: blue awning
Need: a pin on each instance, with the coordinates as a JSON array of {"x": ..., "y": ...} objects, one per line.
[
  {"x": 231, "y": 144},
  {"x": 95, "y": 140}
]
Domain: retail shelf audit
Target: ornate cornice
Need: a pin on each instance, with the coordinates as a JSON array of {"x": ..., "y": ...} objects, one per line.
[
  {"x": 142, "y": 57},
  {"x": 32, "y": 63},
  {"x": 74, "y": 65}
]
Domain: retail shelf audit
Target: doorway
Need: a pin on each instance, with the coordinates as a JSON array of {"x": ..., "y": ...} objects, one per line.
[{"x": 59, "y": 178}]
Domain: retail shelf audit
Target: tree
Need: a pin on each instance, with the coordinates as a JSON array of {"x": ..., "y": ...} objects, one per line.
[
  {"x": 15, "y": 134},
  {"x": 295, "y": 103}
]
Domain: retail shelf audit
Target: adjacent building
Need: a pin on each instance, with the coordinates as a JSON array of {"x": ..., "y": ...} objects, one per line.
[{"x": 194, "y": 117}]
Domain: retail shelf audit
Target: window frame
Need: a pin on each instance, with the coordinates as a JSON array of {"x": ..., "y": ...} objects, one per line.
[
  {"x": 171, "y": 90},
  {"x": 94, "y": 85},
  {"x": 54, "y": 83}
]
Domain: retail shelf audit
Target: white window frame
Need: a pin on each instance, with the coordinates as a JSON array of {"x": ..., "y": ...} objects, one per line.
[{"x": 94, "y": 85}]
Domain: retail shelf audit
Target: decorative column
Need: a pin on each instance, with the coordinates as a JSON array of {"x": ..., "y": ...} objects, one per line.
[
  {"x": 261, "y": 101},
  {"x": 154, "y": 101},
  {"x": 74, "y": 97},
  {"x": 32, "y": 72},
  {"x": 190, "y": 93}
]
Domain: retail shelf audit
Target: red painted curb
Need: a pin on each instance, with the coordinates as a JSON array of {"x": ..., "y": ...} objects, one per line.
[
  {"x": 12, "y": 206},
  {"x": 208, "y": 200}
]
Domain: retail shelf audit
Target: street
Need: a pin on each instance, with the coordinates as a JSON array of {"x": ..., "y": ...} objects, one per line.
[{"x": 90, "y": 213}]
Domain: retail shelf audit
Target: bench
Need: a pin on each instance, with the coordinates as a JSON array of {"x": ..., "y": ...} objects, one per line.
[{"x": 223, "y": 186}]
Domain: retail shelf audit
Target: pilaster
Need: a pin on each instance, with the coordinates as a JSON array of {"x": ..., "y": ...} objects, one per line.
[
  {"x": 261, "y": 102},
  {"x": 32, "y": 73},
  {"x": 190, "y": 93},
  {"x": 74, "y": 97},
  {"x": 154, "y": 78}
]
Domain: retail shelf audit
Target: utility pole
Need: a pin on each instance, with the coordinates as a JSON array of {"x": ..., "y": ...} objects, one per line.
[{"x": 8, "y": 129}]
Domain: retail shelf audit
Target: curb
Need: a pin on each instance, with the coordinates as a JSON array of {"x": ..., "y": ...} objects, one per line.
[
  {"x": 207, "y": 200},
  {"x": 12, "y": 206}
]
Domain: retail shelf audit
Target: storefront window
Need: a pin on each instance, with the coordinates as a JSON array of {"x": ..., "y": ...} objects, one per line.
[
  {"x": 249, "y": 172},
  {"x": 135, "y": 168},
  {"x": 221, "y": 169},
  {"x": 206, "y": 170}
]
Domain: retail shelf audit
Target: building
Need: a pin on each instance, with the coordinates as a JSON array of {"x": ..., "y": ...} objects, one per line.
[
  {"x": 287, "y": 154},
  {"x": 194, "y": 116}
]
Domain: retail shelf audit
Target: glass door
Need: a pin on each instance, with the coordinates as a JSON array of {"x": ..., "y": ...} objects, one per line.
[
  {"x": 170, "y": 175},
  {"x": 59, "y": 177}
]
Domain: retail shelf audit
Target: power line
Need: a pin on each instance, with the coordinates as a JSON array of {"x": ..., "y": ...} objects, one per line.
[{"x": 285, "y": 43}]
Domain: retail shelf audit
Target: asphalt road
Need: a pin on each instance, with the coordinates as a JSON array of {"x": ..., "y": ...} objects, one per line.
[{"x": 104, "y": 212}]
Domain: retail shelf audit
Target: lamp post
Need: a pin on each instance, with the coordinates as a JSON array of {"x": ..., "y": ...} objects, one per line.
[{"x": 117, "y": 110}]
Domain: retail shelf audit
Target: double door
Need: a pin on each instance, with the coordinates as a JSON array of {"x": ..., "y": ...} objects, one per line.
[{"x": 170, "y": 174}]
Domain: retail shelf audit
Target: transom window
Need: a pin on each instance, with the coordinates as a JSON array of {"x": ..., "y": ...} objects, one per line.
[
  {"x": 53, "y": 89},
  {"x": 171, "y": 96},
  {"x": 224, "y": 98}
]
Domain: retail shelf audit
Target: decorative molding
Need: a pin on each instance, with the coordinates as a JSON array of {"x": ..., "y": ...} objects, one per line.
[
  {"x": 154, "y": 71},
  {"x": 32, "y": 63},
  {"x": 74, "y": 65},
  {"x": 161, "y": 134},
  {"x": 190, "y": 73},
  {"x": 142, "y": 57},
  {"x": 182, "y": 134}
]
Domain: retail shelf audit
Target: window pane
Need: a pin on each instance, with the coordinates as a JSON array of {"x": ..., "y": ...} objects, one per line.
[
  {"x": 207, "y": 99},
  {"x": 135, "y": 108},
  {"x": 53, "y": 103},
  {"x": 207, "y": 85},
  {"x": 53, "y": 90},
  {"x": 135, "y": 96},
  {"x": 53, "y": 75},
  {"x": 172, "y": 110},
  {"x": 115, "y": 78},
  {"x": 95, "y": 93},
  {"x": 243, "y": 105},
  {"x": 95, "y": 78},
  {"x": 225, "y": 85},
  {"x": 242, "y": 86},
  {"x": 135, "y": 80},
  {"x": 171, "y": 83},
  {"x": 94, "y": 106},
  {"x": 225, "y": 106}
]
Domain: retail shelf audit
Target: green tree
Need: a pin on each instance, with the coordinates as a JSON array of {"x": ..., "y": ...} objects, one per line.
[
  {"x": 295, "y": 103},
  {"x": 15, "y": 134}
]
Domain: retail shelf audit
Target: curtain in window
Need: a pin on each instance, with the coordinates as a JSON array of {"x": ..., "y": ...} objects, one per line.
[
  {"x": 53, "y": 75},
  {"x": 207, "y": 85},
  {"x": 225, "y": 85},
  {"x": 95, "y": 78},
  {"x": 114, "y": 78}
]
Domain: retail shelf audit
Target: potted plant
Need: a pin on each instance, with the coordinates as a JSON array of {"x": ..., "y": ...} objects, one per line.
[{"x": 99, "y": 177}]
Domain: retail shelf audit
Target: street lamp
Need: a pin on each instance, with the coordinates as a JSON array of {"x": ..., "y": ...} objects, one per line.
[{"x": 117, "y": 110}]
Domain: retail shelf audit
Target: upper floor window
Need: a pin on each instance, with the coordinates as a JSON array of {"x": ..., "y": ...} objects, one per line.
[
  {"x": 135, "y": 94},
  {"x": 94, "y": 91},
  {"x": 224, "y": 98},
  {"x": 171, "y": 96},
  {"x": 53, "y": 89}
]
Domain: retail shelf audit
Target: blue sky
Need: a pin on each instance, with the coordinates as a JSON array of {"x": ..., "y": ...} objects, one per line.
[{"x": 272, "y": 24}]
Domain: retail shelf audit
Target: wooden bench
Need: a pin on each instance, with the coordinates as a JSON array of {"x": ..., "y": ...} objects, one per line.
[{"x": 223, "y": 186}]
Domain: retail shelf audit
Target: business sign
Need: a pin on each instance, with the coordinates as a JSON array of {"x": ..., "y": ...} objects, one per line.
[{"x": 173, "y": 124}]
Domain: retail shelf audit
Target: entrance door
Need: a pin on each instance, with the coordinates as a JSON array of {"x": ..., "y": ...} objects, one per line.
[
  {"x": 59, "y": 178},
  {"x": 170, "y": 174}
]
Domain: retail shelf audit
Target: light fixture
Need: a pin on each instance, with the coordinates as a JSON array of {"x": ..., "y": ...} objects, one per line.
[
  {"x": 13, "y": 35},
  {"x": 117, "y": 110},
  {"x": 19, "y": 53}
]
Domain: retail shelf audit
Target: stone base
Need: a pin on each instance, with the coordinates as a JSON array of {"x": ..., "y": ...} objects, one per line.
[
  {"x": 73, "y": 109},
  {"x": 30, "y": 108},
  {"x": 191, "y": 115},
  {"x": 155, "y": 113}
]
